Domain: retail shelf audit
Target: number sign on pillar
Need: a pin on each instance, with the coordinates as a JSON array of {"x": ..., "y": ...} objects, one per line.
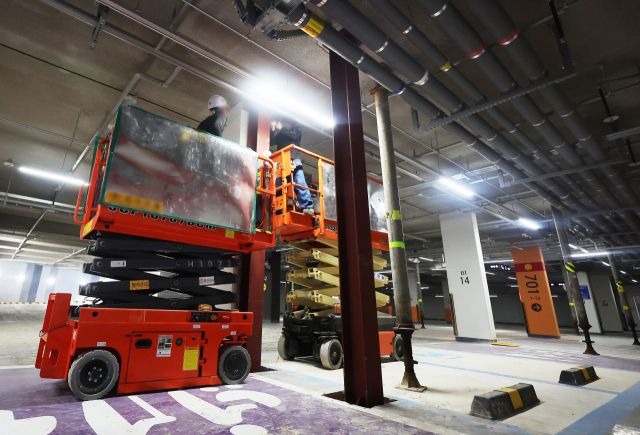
[
  {"x": 466, "y": 277},
  {"x": 535, "y": 292}
]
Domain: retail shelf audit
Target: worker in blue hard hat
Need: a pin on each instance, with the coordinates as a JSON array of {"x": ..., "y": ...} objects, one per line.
[
  {"x": 216, "y": 123},
  {"x": 285, "y": 132}
]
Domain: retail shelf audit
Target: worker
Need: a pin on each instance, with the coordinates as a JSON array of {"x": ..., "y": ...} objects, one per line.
[
  {"x": 216, "y": 123},
  {"x": 286, "y": 132}
]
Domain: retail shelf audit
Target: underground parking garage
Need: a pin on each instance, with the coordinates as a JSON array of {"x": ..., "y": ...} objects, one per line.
[{"x": 350, "y": 217}]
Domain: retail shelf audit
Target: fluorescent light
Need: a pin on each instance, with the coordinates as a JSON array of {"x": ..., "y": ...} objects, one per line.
[
  {"x": 552, "y": 284},
  {"x": 515, "y": 286},
  {"x": 606, "y": 264},
  {"x": 493, "y": 296},
  {"x": 578, "y": 247},
  {"x": 267, "y": 95},
  {"x": 52, "y": 176},
  {"x": 422, "y": 288},
  {"x": 622, "y": 271},
  {"x": 510, "y": 277},
  {"x": 634, "y": 280},
  {"x": 554, "y": 296},
  {"x": 425, "y": 259},
  {"x": 498, "y": 261},
  {"x": 457, "y": 188},
  {"x": 590, "y": 254},
  {"x": 527, "y": 223},
  {"x": 490, "y": 273},
  {"x": 439, "y": 296}
]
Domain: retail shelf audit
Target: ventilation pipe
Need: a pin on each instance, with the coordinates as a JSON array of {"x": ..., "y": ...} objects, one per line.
[
  {"x": 504, "y": 30},
  {"x": 451, "y": 21},
  {"x": 374, "y": 38},
  {"x": 420, "y": 40}
]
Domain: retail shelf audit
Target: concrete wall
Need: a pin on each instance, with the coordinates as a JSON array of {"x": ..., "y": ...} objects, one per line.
[{"x": 28, "y": 282}]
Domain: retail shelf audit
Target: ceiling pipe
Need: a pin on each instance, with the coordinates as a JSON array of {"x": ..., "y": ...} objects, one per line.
[
  {"x": 504, "y": 30},
  {"x": 451, "y": 21},
  {"x": 421, "y": 41},
  {"x": 373, "y": 37}
]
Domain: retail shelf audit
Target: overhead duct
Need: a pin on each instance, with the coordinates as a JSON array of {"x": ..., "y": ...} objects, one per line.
[
  {"x": 450, "y": 20},
  {"x": 374, "y": 38},
  {"x": 504, "y": 30}
]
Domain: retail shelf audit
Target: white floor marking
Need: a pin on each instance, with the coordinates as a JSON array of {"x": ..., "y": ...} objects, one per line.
[
  {"x": 256, "y": 396},
  {"x": 230, "y": 416},
  {"x": 30, "y": 426},
  {"x": 248, "y": 429},
  {"x": 210, "y": 389},
  {"x": 234, "y": 387},
  {"x": 104, "y": 420}
]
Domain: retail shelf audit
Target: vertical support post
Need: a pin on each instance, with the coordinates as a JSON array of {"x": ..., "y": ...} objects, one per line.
[
  {"x": 361, "y": 347},
  {"x": 581, "y": 313},
  {"x": 276, "y": 260},
  {"x": 623, "y": 299},
  {"x": 252, "y": 268},
  {"x": 420, "y": 295},
  {"x": 401, "y": 292},
  {"x": 567, "y": 288}
]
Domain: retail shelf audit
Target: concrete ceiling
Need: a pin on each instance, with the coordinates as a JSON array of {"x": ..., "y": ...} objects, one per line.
[{"x": 54, "y": 88}]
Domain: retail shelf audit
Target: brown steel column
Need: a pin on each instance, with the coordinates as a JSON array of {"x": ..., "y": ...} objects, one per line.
[
  {"x": 252, "y": 268},
  {"x": 362, "y": 372}
]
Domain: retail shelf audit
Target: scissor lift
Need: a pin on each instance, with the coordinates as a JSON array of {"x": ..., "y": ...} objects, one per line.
[
  {"x": 169, "y": 209},
  {"x": 313, "y": 326}
]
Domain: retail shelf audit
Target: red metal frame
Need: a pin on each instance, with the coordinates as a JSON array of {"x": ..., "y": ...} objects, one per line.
[
  {"x": 116, "y": 330},
  {"x": 98, "y": 217},
  {"x": 291, "y": 225}
]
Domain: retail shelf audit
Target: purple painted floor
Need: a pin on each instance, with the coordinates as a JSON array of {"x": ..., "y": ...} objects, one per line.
[{"x": 238, "y": 411}]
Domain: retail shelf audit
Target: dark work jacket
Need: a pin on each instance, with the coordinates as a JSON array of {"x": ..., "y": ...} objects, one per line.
[
  {"x": 214, "y": 124},
  {"x": 286, "y": 137}
]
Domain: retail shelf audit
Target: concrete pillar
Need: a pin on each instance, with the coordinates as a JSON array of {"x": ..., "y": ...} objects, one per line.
[
  {"x": 535, "y": 292},
  {"x": 589, "y": 303},
  {"x": 605, "y": 300},
  {"x": 447, "y": 301},
  {"x": 473, "y": 318},
  {"x": 624, "y": 301}
]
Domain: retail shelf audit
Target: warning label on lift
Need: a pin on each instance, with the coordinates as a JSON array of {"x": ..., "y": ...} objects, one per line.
[
  {"x": 164, "y": 345},
  {"x": 191, "y": 355}
]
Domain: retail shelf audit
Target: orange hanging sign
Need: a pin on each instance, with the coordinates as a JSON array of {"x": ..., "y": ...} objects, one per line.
[{"x": 535, "y": 292}]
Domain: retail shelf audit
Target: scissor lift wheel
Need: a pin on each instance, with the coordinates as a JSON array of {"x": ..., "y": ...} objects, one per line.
[
  {"x": 234, "y": 365},
  {"x": 398, "y": 348},
  {"x": 284, "y": 348},
  {"x": 93, "y": 374},
  {"x": 331, "y": 354}
]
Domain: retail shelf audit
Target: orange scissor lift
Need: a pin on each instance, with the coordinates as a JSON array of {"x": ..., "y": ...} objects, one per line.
[
  {"x": 313, "y": 327},
  {"x": 168, "y": 208}
]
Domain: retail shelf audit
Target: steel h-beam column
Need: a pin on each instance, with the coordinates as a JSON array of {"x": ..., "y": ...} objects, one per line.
[
  {"x": 252, "y": 268},
  {"x": 624, "y": 301},
  {"x": 578, "y": 302},
  {"x": 401, "y": 292},
  {"x": 362, "y": 371}
]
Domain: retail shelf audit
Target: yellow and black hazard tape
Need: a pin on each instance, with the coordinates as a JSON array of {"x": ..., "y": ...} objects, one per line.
[
  {"x": 570, "y": 267},
  {"x": 504, "y": 402},
  {"x": 23, "y": 303},
  {"x": 579, "y": 375}
]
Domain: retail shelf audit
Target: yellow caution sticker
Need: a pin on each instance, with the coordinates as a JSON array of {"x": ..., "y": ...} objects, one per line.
[
  {"x": 132, "y": 201},
  {"x": 142, "y": 284},
  {"x": 396, "y": 215},
  {"x": 87, "y": 228},
  {"x": 229, "y": 234},
  {"x": 514, "y": 395},
  {"x": 315, "y": 26},
  {"x": 191, "y": 356}
]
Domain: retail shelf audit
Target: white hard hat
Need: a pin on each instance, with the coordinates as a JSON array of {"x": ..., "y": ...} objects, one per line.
[{"x": 217, "y": 101}]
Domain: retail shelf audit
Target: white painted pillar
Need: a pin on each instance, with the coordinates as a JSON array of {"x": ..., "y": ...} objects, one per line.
[
  {"x": 466, "y": 277},
  {"x": 589, "y": 302},
  {"x": 415, "y": 293},
  {"x": 610, "y": 315},
  {"x": 447, "y": 301}
]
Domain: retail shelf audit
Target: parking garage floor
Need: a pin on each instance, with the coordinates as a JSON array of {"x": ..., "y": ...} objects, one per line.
[{"x": 289, "y": 399}]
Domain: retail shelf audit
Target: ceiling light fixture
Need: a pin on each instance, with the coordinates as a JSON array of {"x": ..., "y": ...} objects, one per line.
[
  {"x": 528, "y": 223},
  {"x": 425, "y": 259},
  {"x": 510, "y": 277},
  {"x": 456, "y": 187},
  {"x": 622, "y": 271},
  {"x": 52, "y": 176},
  {"x": 590, "y": 254},
  {"x": 606, "y": 264}
]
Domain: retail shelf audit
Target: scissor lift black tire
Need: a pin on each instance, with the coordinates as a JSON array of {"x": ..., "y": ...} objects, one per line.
[
  {"x": 331, "y": 354},
  {"x": 93, "y": 374}
]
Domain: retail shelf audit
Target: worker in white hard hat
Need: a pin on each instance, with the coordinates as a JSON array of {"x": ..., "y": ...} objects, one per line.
[{"x": 216, "y": 123}]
